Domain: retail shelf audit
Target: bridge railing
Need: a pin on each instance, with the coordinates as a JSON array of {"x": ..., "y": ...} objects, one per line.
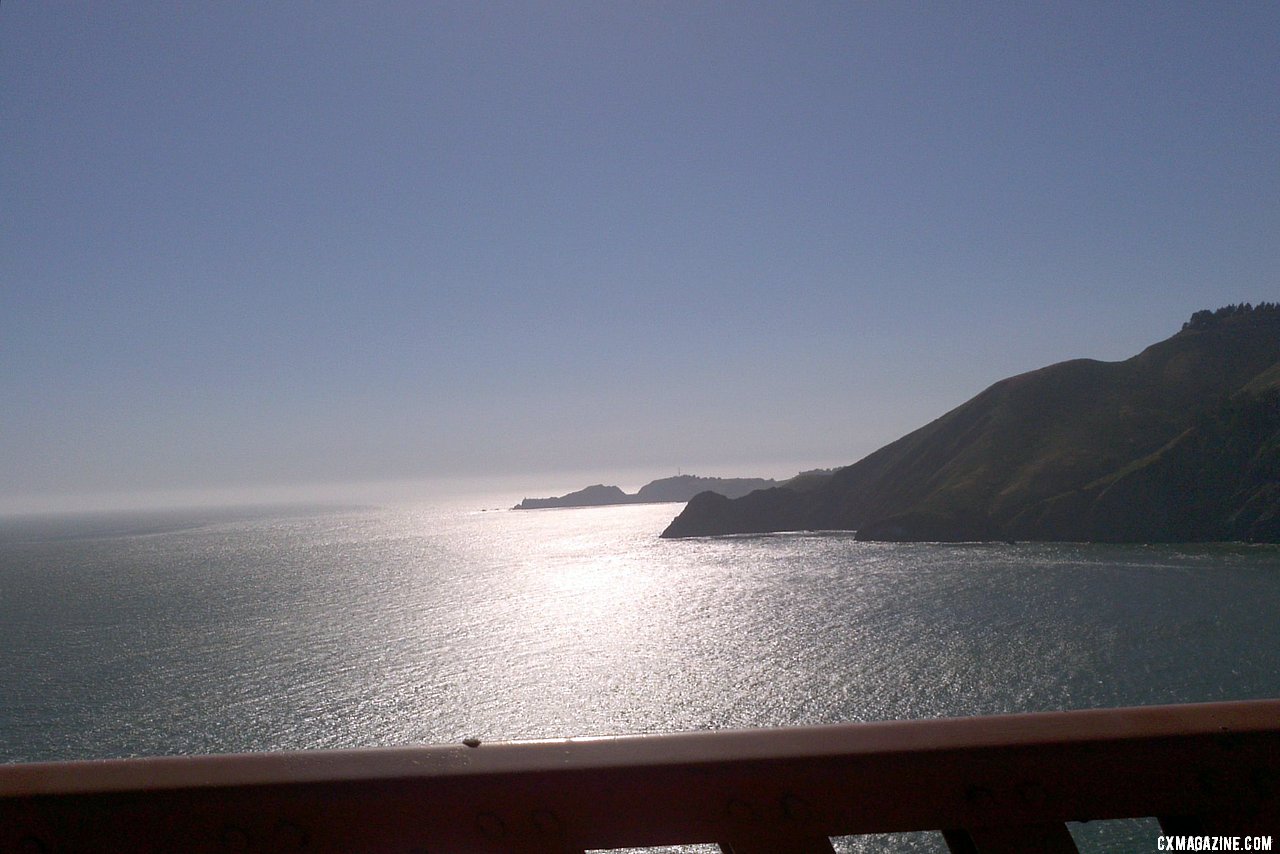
[{"x": 989, "y": 784}]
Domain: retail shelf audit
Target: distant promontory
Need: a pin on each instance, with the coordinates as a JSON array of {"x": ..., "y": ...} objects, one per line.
[
  {"x": 1180, "y": 443},
  {"x": 667, "y": 489}
]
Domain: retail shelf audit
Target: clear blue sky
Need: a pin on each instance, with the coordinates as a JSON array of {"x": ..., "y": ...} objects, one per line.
[{"x": 252, "y": 245}]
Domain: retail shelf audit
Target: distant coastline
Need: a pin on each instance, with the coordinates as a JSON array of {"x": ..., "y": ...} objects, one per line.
[{"x": 680, "y": 488}]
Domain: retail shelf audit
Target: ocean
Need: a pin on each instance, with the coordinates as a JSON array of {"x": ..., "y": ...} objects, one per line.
[{"x": 286, "y": 629}]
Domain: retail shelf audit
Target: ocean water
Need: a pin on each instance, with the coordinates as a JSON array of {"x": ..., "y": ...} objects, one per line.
[{"x": 209, "y": 632}]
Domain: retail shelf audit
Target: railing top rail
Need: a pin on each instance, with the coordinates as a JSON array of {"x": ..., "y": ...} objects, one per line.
[{"x": 616, "y": 753}]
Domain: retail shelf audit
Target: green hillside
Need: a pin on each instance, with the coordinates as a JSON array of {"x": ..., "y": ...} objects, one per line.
[{"x": 1178, "y": 443}]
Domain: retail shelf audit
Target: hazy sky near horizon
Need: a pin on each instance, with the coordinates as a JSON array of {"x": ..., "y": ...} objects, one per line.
[{"x": 249, "y": 246}]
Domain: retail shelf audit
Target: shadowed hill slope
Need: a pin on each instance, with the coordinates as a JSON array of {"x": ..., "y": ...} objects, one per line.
[{"x": 1177, "y": 443}]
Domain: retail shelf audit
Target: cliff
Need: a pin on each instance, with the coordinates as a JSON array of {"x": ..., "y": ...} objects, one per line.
[{"x": 1179, "y": 443}]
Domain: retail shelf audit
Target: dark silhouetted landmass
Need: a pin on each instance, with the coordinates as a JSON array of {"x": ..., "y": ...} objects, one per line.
[
  {"x": 685, "y": 486},
  {"x": 1180, "y": 443},
  {"x": 668, "y": 489},
  {"x": 592, "y": 496}
]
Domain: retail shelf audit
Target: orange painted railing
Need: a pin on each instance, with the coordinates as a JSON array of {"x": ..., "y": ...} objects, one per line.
[{"x": 990, "y": 784}]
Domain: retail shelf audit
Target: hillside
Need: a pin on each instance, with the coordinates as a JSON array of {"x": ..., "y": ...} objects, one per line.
[{"x": 1178, "y": 443}]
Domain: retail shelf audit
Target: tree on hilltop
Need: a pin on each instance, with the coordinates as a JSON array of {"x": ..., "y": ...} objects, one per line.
[{"x": 1205, "y": 318}]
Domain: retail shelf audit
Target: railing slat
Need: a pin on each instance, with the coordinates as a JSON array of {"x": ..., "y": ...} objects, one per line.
[
  {"x": 1039, "y": 838},
  {"x": 959, "y": 841}
]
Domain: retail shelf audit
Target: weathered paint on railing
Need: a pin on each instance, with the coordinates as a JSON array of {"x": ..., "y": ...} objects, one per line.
[{"x": 991, "y": 784}]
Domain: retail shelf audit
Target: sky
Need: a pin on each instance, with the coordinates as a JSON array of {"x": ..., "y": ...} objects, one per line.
[{"x": 268, "y": 249}]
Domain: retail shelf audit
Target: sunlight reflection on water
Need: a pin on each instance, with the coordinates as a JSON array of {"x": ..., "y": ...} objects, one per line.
[
  {"x": 430, "y": 625},
  {"x": 392, "y": 627}
]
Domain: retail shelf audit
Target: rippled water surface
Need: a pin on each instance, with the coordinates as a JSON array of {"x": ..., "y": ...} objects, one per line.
[{"x": 213, "y": 632}]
